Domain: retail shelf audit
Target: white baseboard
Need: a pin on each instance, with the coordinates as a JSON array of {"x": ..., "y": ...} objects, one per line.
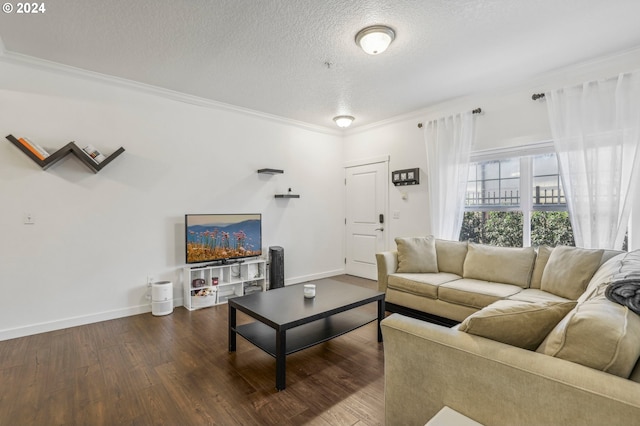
[
  {"x": 312, "y": 277},
  {"x": 44, "y": 327}
]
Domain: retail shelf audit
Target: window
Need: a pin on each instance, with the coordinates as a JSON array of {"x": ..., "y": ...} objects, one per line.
[{"x": 516, "y": 202}]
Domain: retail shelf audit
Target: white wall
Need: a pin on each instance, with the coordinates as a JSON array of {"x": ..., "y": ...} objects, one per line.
[
  {"x": 510, "y": 118},
  {"x": 98, "y": 236}
]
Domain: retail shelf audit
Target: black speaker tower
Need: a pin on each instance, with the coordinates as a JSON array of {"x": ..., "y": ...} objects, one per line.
[{"x": 276, "y": 268}]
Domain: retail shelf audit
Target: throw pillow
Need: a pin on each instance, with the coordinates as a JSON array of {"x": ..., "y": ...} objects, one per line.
[
  {"x": 569, "y": 270},
  {"x": 451, "y": 255},
  {"x": 507, "y": 265},
  {"x": 516, "y": 323},
  {"x": 541, "y": 261},
  {"x": 599, "y": 334},
  {"x": 417, "y": 254}
]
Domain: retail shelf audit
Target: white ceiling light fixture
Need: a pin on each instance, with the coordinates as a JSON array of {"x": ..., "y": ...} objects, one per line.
[
  {"x": 375, "y": 39},
  {"x": 343, "y": 120}
]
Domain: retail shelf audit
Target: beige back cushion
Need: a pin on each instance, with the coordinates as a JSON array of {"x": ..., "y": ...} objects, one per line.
[
  {"x": 635, "y": 374},
  {"x": 417, "y": 254},
  {"x": 506, "y": 265},
  {"x": 605, "y": 275},
  {"x": 516, "y": 323},
  {"x": 569, "y": 270},
  {"x": 451, "y": 255},
  {"x": 541, "y": 261},
  {"x": 599, "y": 334}
]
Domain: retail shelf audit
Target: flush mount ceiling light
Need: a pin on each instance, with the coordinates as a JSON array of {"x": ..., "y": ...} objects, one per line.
[
  {"x": 375, "y": 40},
  {"x": 343, "y": 120}
]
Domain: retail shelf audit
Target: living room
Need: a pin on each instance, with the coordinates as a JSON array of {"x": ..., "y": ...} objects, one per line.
[{"x": 97, "y": 238}]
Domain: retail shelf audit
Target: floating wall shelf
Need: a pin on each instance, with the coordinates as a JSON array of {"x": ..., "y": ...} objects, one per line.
[
  {"x": 271, "y": 171},
  {"x": 287, "y": 196},
  {"x": 406, "y": 177},
  {"x": 70, "y": 148}
]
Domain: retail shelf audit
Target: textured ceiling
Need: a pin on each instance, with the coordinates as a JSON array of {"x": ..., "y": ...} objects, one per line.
[{"x": 270, "y": 56}]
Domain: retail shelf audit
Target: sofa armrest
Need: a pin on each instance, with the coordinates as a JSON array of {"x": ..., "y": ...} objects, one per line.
[
  {"x": 428, "y": 366},
  {"x": 387, "y": 264}
]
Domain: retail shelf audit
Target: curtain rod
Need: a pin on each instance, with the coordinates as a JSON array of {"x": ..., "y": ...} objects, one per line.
[
  {"x": 537, "y": 96},
  {"x": 475, "y": 111}
]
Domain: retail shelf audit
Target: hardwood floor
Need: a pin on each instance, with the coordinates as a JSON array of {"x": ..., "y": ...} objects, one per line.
[{"x": 176, "y": 370}]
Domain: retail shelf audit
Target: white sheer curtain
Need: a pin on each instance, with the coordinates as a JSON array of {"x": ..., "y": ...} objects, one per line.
[
  {"x": 448, "y": 141},
  {"x": 596, "y": 133}
]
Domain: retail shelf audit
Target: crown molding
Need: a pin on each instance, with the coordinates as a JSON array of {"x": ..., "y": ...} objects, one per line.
[{"x": 67, "y": 70}]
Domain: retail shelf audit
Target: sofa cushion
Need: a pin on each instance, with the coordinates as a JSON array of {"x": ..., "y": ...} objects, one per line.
[
  {"x": 569, "y": 270},
  {"x": 507, "y": 265},
  {"x": 420, "y": 284},
  {"x": 451, "y": 255},
  {"x": 599, "y": 334},
  {"x": 612, "y": 269},
  {"x": 534, "y": 295},
  {"x": 635, "y": 374},
  {"x": 516, "y": 323},
  {"x": 475, "y": 293},
  {"x": 542, "y": 257},
  {"x": 417, "y": 254}
]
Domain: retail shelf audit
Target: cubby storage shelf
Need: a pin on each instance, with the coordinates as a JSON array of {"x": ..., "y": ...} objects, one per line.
[
  {"x": 221, "y": 282},
  {"x": 70, "y": 148}
]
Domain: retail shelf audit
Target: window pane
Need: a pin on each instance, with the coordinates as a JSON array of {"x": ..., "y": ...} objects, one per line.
[
  {"x": 547, "y": 187},
  {"x": 545, "y": 164},
  {"x": 546, "y": 190},
  {"x": 551, "y": 228},
  {"x": 510, "y": 168},
  {"x": 496, "y": 228},
  {"x": 489, "y": 170},
  {"x": 510, "y": 191},
  {"x": 497, "y": 183}
]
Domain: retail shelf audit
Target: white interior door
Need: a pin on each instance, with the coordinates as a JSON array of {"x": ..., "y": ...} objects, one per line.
[{"x": 366, "y": 217}]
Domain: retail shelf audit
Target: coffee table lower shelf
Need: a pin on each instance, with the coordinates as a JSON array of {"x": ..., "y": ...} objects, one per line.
[{"x": 306, "y": 335}]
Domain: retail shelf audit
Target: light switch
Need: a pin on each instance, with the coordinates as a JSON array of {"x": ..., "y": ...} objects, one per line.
[{"x": 28, "y": 219}]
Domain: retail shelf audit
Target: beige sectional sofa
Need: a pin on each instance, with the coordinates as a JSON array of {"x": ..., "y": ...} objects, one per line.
[{"x": 538, "y": 342}]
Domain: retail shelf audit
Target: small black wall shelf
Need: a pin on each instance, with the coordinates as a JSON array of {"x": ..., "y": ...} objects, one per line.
[
  {"x": 70, "y": 148},
  {"x": 287, "y": 195},
  {"x": 406, "y": 177},
  {"x": 271, "y": 171}
]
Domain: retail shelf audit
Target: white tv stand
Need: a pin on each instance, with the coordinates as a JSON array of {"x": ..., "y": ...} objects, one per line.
[{"x": 222, "y": 282}]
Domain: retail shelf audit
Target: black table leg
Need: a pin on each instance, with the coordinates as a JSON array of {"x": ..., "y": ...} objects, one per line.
[
  {"x": 232, "y": 329},
  {"x": 281, "y": 350},
  {"x": 380, "y": 318}
]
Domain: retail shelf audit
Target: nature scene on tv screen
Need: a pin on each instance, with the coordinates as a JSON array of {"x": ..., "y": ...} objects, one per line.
[{"x": 217, "y": 237}]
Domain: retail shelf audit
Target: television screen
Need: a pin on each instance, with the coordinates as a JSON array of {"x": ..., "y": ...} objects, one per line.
[{"x": 219, "y": 237}]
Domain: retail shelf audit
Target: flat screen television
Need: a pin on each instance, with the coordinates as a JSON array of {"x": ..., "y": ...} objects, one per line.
[{"x": 222, "y": 237}]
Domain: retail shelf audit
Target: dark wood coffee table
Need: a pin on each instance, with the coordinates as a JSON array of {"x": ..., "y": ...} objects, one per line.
[{"x": 288, "y": 323}]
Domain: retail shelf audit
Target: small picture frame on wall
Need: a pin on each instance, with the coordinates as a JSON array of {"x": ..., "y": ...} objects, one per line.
[
  {"x": 403, "y": 176},
  {"x": 410, "y": 175}
]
